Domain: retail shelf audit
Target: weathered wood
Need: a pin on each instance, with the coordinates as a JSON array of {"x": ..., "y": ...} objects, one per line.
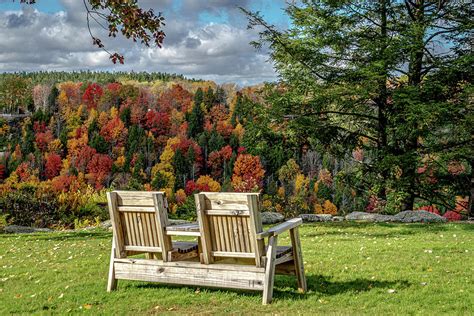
[
  {"x": 192, "y": 227},
  {"x": 276, "y": 230},
  {"x": 182, "y": 233},
  {"x": 143, "y": 249},
  {"x": 204, "y": 227},
  {"x": 112, "y": 281},
  {"x": 161, "y": 218},
  {"x": 118, "y": 235},
  {"x": 270, "y": 270},
  {"x": 136, "y": 198},
  {"x": 197, "y": 275},
  {"x": 298, "y": 259},
  {"x": 255, "y": 228},
  {"x": 227, "y": 212},
  {"x": 233, "y": 254},
  {"x": 139, "y": 209},
  {"x": 188, "y": 264}
]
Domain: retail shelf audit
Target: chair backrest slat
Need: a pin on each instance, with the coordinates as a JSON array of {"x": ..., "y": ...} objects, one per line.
[
  {"x": 139, "y": 220},
  {"x": 229, "y": 224}
]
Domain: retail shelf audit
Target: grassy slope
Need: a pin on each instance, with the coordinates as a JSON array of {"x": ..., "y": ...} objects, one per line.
[{"x": 350, "y": 270}]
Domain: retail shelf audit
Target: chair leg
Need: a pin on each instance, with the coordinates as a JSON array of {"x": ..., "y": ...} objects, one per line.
[
  {"x": 298, "y": 260},
  {"x": 112, "y": 281},
  {"x": 270, "y": 270}
]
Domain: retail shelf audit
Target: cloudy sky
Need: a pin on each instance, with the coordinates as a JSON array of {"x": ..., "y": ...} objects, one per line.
[{"x": 204, "y": 39}]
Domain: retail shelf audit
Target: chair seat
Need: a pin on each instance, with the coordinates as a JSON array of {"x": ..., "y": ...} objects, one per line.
[
  {"x": 282, "y": 250},
  {"x": 185, "y": 246}
]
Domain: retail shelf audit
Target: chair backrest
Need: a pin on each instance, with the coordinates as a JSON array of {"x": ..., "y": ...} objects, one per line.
[
  {"x": 139, "y": 219},
  {"x": 229, "y": 224}
]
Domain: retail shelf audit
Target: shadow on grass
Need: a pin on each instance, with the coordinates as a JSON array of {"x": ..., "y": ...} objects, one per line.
[
  {"x": 285, "y": 287},
  {"x": 320, "y": 284}
]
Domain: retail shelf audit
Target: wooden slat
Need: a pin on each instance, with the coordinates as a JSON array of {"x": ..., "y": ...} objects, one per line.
[
  {"x": 245, "y": 228},
  {"x": 161, "y": 221},
  {"x": 154, "y": 233},
  {"x": 233, "y": 254},
  {"x": 226, "y": 201},
  {"x": 143, "y": 248},
  {"x": 217, "y": 234},
  {"x": 188, "y": 264},
  {"x": 270, "y": 270},
  {"x": 224, "y": 243},
  {"x": 136, "y": 198},
  {"x": 139, "y": 209},
  {"x": 230, "y": 229},
  {"x": 141, "y": 229},
  {"x": 225, "y": 235},
  {"x": 118, "y": 235},
  {"x": 182, "y": 233},
  {"x": 146, "y": 233},
  {"x": 237, "y": 236},
  {"x": 298, "y": 259},
  {"x": 148, "y": 230},
  {"x": 255, "y": 227},
  {"x": 230, "y": 212},
  {"x": 203, "y": 220},
  {"x": 197, "y": 275},
  {"x": 131, "y": 233},
  {"x": 125, "y": 229},
  {"x": 278, "y": 229},
  {"x": 192, "y": 227}
]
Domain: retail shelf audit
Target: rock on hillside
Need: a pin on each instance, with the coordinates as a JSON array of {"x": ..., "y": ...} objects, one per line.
[{"x": 418, "y": 217}]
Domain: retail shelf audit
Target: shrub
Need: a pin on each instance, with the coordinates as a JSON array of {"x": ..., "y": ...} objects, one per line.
[
  {"x": 187, "y": 210},
  {"x": 452, "y": 216},
  {"x": 30, "y": 206}
]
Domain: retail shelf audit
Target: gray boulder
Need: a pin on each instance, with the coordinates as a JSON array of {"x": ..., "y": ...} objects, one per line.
[
  {"x": 178, "y": 221},
  {"x": 15, "y": 229},
  {"x": 316, "y": 217},
  {"x": 272, "y": 217},
  {"x": 418, "y": 217},
  {"x": 370, "y": 217},
  {"x": 338, "y": 218},
  {"x": 106, "y": 224}
]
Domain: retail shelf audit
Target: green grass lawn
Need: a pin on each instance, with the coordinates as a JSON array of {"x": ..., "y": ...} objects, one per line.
[{"x": 352, "y": 268}]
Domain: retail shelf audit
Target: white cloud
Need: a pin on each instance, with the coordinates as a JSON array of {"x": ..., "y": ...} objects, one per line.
[{"x": 32, "y": 40}]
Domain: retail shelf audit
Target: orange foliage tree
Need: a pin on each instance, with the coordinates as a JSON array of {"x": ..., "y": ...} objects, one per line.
[{"x": 248, "y": 173}]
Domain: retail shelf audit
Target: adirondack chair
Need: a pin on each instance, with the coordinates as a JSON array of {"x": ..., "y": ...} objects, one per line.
[
  {"x": 139, "y": 221},
  {"x": 231, "y": 228}
]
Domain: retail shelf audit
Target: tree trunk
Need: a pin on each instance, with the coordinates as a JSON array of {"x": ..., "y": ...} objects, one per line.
[{"x": 414, "y": 79}]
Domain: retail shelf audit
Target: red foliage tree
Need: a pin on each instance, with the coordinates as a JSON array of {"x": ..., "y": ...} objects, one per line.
[
  {"x": 2, "y": 172},
  {"x": 52, "y": 166},
  {"x": 193, "y": 187},
  {"x": 43, "y": 140},
  {"x": 65, "y": 183},
  {"x": 82, "y": 158},
  {"x": 91, "y": 95},
  {"x": 114, "y": 132},
  {"x": 175, "y": 98},
  {"x": 157, "y": 122},
  {"x": 98, "y": 169},
  {"x": 217, "y": 159}
]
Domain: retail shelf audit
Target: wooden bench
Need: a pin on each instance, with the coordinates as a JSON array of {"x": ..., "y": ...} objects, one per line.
[{"x": 233, "y": 253}]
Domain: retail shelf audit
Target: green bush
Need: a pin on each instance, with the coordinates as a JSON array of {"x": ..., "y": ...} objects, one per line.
[{"x": 27, "y": 206}]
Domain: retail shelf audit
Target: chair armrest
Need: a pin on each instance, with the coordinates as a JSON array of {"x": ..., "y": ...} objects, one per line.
[{"x": 278, "y": 229}]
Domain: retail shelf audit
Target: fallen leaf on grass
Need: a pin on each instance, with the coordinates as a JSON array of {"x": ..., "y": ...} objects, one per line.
[
  {"x": 87, "y": 306},
  {"x": 61, "y": 296},
  {"x": 391, "y": 291},
  {"x": 18, "y": 295}
]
